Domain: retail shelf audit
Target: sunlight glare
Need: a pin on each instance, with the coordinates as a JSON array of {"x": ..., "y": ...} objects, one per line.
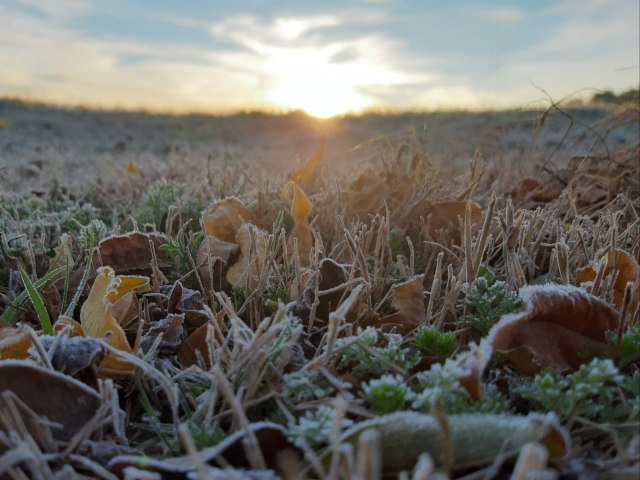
[{"x": 308, "y": 80}]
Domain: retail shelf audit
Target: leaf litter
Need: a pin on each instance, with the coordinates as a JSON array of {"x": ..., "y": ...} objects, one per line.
[{"x": 333, "y": 324}]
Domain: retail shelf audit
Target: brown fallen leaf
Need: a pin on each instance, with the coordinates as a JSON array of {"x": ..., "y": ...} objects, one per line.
[
  {"x": 444, "y": 216},
  {"x": 626, "y": 270},
  {"x": 224, "y": 218},
  {"x": 408, "y": 299},
  {"x": 98, "y": 321},
  {"x": 253, "y": 254},
  {"x": 331, "y": 275},
  {"x": 132, "y": 254},
  {"x": 197, "y": 342},
  {"x": 171, "y": 328},
  {"x": 222, "y": 254},
  {"x": 51, "y": 394},
  {"x": 560, "y": 328}
]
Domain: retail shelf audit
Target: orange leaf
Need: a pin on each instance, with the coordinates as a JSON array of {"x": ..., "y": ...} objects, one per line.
[
  {"x": 561, "y": 326},
  {"x": 14, "y": 343},
  {"x": 98, "y": 321},
  {"x": 305, "y": 174},
  {"x": 627, "y": 270},
  {"x": 130, "y": 169},
  {"x": 224, "y": 218}
]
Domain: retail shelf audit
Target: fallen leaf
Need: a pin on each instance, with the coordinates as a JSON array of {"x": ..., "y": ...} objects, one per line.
[
  {"x": 560, "y": 328},
  {"x": 305, "y": 174},
  {"x": 408, "y": 299},
  {"x": 445, "y": 215},
  {"x": 131, "y": 168},
  {"x": 474, "y": 439},
  {"x": 626, "y": 270},
  {"x": 14, "y": 342},
  {"x": 223, "y": 219},
  {"x": 132, "y": 254},
  {"x": 331, "y": 276},
  {"x": 197, "y": 342},
  {"x": 253, "y": 254},
  {"x": 51, "y": 394},
  {"x": 98, "y": 321},
  {"x": 300, "y": 211},
  {"x": 171, "y": 328},
  {"x": 222, "y": 254}
]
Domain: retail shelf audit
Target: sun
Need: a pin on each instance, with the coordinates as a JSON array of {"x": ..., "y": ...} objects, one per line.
[{"x": 308, "y": 80}]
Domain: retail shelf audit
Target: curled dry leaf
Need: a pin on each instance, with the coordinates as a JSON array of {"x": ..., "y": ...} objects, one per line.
[
  {"x": 408, "y": 299},
  {"x": 444, "y": 216},
  {"x": 197, "y": 342},
  {"x": 97, "y": 319},
  {"x": 331, "y": 276},
  {"x": 370, "y": 190},
  {"x": 300, "y": 211},
  {"x": 626, "y": 270},
  {"x": 51, "y": 394},
  {"x": 224, "y": 218},
  {"x": 475, "y": 439},
  {"x": 253, "y": 253},
  {"x": 14, "y": 342},
  {"x": 171, "y": 328},
  {"x": 271, "y": 438},
  {"x": 222, "y": 254},
  {"x": 305, "y": 175},
  {"x": 560, "y": 328},
  {"x": 132, "y": 254}
]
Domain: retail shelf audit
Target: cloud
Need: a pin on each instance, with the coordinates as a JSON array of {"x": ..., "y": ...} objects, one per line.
[{"x": 499, "y": 15}]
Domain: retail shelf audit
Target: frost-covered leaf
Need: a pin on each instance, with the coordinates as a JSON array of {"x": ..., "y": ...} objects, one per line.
[
  {"x": 560, "y": 328},
  {"x": 224, "y": 218},
  {"x": 133, "y": 253},
  {"x": 97, "y": 319},
  {"x": 408, "y": 299},
  {"x": 251, "y": 261}
]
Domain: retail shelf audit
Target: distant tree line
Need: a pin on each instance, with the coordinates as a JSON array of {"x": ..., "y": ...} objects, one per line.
[{"x": 629, "y": 96}]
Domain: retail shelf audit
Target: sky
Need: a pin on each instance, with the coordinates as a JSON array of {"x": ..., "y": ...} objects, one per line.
[{"x": 326, "y": 57}]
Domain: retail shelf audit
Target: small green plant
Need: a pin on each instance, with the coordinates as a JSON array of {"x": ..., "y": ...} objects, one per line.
[
  {"x": 436, "y": 343},
  {"x": 304, "y": 386},
  {"x": 486, "y": 302},
  {"x": 161, "y": 196},
  {"x": 387, "y": 394},
  {"x": 274, "y": 294},
  {"x": 313, "y": 429},
  {"x": 629, "y": 345},
  {"x": 440, "y": 385},
  {"x": 592, "y": 392},
  {"x": 362, "y": 353}
]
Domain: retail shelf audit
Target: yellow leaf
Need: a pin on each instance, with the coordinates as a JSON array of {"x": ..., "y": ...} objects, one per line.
[
  {"x": 97, "y": 319},
  {"x": 223, "y": 219},
  {"x": 4, "y": 123},
  {"x": 130, "y": 169},
  {"x": 627, "y": 270},
  {"x": 304, "y": 175},
  {"x": 301, "y": 206},
  {"x": 300, "y": 211}
]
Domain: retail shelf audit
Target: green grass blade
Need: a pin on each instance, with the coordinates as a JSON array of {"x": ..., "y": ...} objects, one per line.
[
  {"x": 37, "y": 302},
  {"x": 10, "y": 312}
]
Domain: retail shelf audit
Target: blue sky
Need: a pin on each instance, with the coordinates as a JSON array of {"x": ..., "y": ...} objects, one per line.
[{"x": 323, "y": 56}]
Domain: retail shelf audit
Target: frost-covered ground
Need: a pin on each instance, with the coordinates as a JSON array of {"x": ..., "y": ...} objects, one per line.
[{"x": 39, "y": 143}]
